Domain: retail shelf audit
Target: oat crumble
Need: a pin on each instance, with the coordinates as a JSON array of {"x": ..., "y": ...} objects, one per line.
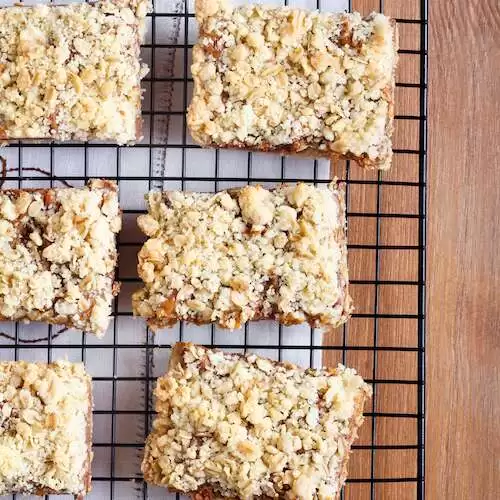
[
  {"x": 72, "y": 72},
  {"x": 45, "y": 428},
  {"x": 241, "y": 426},
  {"x": 245, "y": 254},
  {"x": 58, "y": 255},
  {"x": 294, "y": 81}
]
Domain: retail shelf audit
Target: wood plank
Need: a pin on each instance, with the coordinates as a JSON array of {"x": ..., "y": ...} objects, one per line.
[
  {"x": 399, "y": 265},
  {"x": 463, "y": 407},
  {"x": 463, "y": 278}
]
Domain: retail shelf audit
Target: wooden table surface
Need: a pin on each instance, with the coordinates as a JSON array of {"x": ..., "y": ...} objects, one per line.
[
  {"x": 463, "y": 266},
  {"x": 463, "y": 314}
]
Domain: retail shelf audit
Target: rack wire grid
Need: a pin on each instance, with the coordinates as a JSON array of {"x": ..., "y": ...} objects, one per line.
[{"x": 385, "y": 339}]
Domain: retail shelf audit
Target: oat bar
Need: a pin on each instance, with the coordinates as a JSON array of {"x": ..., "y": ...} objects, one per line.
[
  {"x": 72, "y": 72},
  {"x": 245, "y": 254},
  {"x": 294, "y": 81},
  {"x": 58, "y": 255},
  {"x": 240, "y": 426},
  {"x": 45, "y": 428}
]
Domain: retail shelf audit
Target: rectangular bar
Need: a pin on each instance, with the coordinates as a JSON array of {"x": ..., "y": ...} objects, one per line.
[
  {"x": 240, "y": 426},
  {"x": 245, "y": 254},
  {"x": 72, "y": 72},
  {"x": 294, "y": 81},
  {"x": 58, "y": 255},
  {"x": 45, "y": 428}
]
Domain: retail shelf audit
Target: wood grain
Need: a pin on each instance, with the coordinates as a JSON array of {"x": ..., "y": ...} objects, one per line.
[
  {"x": 463, "y": 410},
  {"x": 463, "y": 274},
  {"x": 394, "y": 265}
]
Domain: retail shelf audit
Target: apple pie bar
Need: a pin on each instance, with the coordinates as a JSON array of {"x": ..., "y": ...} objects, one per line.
[
  {"x": 245, "y": 254},
  {"x": 241, "y": 426},
  {"x": 294, "y": 81},
  {"x": 58, "y": 255},
  {"x": 72, "y": 72},
  {"x": 45, "y": 428}
]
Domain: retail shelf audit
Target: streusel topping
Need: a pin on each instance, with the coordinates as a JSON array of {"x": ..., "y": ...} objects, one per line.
[
  {"x": 269, "y": 78},
  {"x": 73, "y": 71},
  {"x": 44, "y": 427},
  {"x": 244, "y": 254},
  {"x": 249, "y": 428},
  {"x": 58, "y": 255}
]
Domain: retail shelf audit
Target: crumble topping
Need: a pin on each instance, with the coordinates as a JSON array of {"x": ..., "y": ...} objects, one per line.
[
  {"x": 45, "y": 427},
  {"x": 72, "y": 71},
  {"x": 247, "y": 427},
  {"x": 293, "y": 80},
  {"x": 244, "y": 254},
  {"x": 58, "y": 255}
]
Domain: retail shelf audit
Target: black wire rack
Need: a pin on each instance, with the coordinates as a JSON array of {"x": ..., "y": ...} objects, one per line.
[{"x": 385, "y": 339}]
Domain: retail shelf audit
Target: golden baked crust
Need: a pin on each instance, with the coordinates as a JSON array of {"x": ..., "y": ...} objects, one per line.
[
  {"x": 245, "y": 254},
  {"x": 58, "y": 255},
  {"x": 45, "y": 428},
  {"x": 72, "y": 72},
  {"x": 294, "y": 81},
  {"x": 240, "y": 426}
]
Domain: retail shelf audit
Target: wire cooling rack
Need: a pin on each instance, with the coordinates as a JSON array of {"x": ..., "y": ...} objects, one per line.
[{"x": 384, "y": 340}]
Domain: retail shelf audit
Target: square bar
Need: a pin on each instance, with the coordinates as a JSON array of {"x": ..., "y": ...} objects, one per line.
[
  {"x": 58, "y": 255},
  {"x": 72, "y": 72},
  {"x": 45, "y": 428},
  {"x": 240, "y": 426},
  {"x": 294, "y": 81},
  {"x": 245, "y": 254}
]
